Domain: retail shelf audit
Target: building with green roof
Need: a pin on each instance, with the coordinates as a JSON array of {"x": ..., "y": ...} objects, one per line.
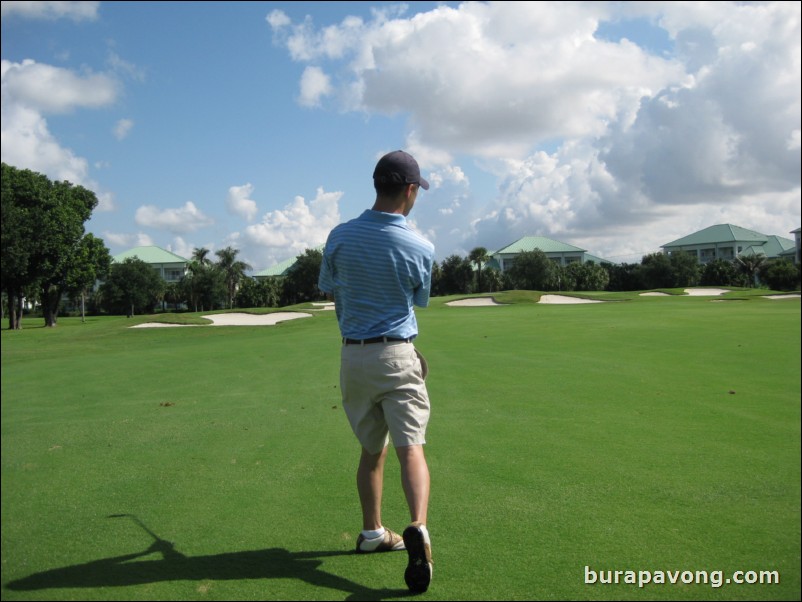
[
  {"x": 726, "y": 241},
  {"x": 171, "y": 267},
  {"x": 282, "y": 268},
  {"x": 279, "y": 269},
  {"x": 794, "y": 255},
  {"x": 559, "y": 252}
]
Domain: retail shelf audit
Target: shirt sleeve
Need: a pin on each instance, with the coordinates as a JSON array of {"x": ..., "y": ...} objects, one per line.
[{"x": 422, "y": 293}]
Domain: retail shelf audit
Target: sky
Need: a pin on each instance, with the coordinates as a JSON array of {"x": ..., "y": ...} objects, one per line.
[{"x": 616, "y": 127}]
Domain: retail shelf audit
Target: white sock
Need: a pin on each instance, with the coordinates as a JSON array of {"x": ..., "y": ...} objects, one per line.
[{"x": 373, "y": 534}]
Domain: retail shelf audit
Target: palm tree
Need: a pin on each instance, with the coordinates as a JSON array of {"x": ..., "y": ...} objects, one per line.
[
  {"x": 750, "y": 266},
  {"x": 479, "y": 256},
  {"x": 232, "y": 269},
  {"x": 199, "y": 255}
]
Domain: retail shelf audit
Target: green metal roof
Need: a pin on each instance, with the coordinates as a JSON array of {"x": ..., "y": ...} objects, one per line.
[
  {"x": 598, "y": 260},
  {"x": 277, "y": 270},
  {"x": 150, "y": 255},
  {"x": 753, "y": 250},
  {"x": 281, "y": 269},
  {"x": 547, "y": 245},
  {"x": 719, "y": 233},
  {"x": 776, "y": 246}
]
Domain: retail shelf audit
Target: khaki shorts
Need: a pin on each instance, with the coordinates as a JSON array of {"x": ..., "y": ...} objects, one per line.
[{"x": 384, "y": 394}]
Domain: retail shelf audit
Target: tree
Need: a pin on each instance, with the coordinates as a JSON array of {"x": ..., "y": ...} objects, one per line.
[
  {"x": 749, "y": 266},
  {"x": 90, "y": 262},
  {"x": 173, "y": 294},
  {"x": 232, "y": 269},
  {"x": 42, "y": 225},
  {"x": 479, "y": 256},
  {"x": 437, "y": 276},
  {"x": 780, "y": 275},
  {"x": 20, "y": 191},
  {"x": 656, "y": 271},
  {"x": 533, "y": 270},
  {"x": 587, "y": 276},
  {"x": 719, "y": 272},
  {"x": 300, "y": 282},
  {"x": 685, "y": 269},
  {"x": 203, "y": 286},
  {"x": 132, "y": 287},
  {"x": 198, "y": 286},
  {"x": 258, "y": 293},
  {"x": 199, "y": 255},
  {"x": 493, "y": 280},
  {"x": 624, "y": 277},
  {"x": 64, "y": 225},
  {"x": 456, "y": 276}
]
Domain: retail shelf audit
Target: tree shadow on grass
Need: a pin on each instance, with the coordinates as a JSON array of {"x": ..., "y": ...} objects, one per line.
[{"x": 270, "y": 563}]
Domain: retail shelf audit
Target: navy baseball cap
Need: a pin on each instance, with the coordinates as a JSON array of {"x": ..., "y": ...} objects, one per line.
[{"x": 398, "y": 167}]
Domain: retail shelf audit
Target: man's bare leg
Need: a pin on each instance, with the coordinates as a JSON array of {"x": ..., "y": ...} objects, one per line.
[
  {"x": 415, "y": 481},
  {"x": 370, "y": 483}
]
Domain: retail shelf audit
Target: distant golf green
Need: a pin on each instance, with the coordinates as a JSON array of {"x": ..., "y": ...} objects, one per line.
[{"x": 569, "y": 446}]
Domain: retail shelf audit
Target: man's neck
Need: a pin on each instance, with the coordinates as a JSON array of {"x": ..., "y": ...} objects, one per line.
[{"x": 388, "y": 207}]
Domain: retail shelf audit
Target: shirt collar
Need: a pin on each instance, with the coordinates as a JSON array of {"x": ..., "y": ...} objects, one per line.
[{"x": 381, "y": 216}]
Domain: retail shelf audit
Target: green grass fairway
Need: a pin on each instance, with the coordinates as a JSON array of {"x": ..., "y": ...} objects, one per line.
[{"x": 566, "y": 442}]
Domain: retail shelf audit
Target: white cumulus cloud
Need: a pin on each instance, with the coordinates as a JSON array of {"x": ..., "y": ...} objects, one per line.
[
  {"x": 287, "y": 232},
  {"x": 29, "y": 91},
  {"x": 50, "y": 89},
  {"x": 315, "y": 85},
  {"x": 77, "y": 11},
  {"x": 179, "y": 221},
  {"x": 592, "y": 139},
  {"x": 122, "y": 128},
  {"x": 239, "y": 203}
]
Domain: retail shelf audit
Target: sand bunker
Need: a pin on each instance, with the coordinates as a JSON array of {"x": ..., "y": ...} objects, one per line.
[
  {"x": 475, "y": 302},
  {"x": 706, "y": 292},
  {"x": 554, "y": 299},
  {"x": 692, "y": 292},
  {"x": 236, "y": 319},
  {"x": 489, "y": 301}
]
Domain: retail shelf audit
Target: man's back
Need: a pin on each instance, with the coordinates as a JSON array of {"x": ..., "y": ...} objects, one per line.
[{"x": 377, "y": 268}]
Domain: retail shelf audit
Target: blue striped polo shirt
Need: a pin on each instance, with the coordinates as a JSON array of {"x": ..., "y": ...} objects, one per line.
[{"x": 377, "y": 268}]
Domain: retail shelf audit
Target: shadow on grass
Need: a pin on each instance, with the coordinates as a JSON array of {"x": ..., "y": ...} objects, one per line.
[{"x": 270, "y": 563}]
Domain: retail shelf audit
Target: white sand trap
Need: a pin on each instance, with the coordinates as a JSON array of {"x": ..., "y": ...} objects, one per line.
[
  {"x": 162, "y": 325},
  {"x": 238, "y": 319},
  {"x": 706, "y": 292},
  {"x": 655, "y": 294},
  {"x": 555, "y": 299},
  {"x": 255, "y": 319},
  {"x": 325, "y": 306},
  {"x": 475, "y": 302},
  {"x": 791, "y": 296}
]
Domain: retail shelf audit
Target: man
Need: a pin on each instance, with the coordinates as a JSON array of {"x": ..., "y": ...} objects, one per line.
[{"x": 376, "y": 268}]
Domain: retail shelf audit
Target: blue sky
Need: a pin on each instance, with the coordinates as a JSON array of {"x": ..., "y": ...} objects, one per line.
[{"x": 616, "y": 127}]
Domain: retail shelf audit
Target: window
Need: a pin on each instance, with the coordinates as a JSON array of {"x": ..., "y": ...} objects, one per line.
[
  {"x": 173, "y": 274},
  {"x": 726, "y": 253}
]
